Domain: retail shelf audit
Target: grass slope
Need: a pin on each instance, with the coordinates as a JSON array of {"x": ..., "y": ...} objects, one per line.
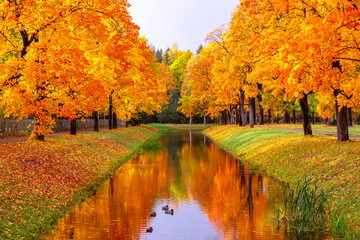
[{"x": 288, "y": 155}]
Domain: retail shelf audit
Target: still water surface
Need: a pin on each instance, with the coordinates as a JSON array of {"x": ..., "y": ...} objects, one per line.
[{"x": 214, "y": 196}]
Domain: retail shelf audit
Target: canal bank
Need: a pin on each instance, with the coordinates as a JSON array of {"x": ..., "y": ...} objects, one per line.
[
  {"x": 288, "y": 156},
  {"x": 41, "y": 181}
]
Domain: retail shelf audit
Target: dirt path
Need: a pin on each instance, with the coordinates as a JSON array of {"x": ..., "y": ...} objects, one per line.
[{"x": 318, "y": 132}]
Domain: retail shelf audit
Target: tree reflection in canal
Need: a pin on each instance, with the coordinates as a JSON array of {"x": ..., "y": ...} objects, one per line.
[{"x": 214, "y": 196}]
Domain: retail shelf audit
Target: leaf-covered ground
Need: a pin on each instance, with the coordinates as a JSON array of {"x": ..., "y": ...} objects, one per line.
[
  {"x": 41, "y": 180},
  {"x": 288, "y": 155}
]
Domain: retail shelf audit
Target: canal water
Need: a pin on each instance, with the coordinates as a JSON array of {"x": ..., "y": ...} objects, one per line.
[{"x": 214, "y": 196}]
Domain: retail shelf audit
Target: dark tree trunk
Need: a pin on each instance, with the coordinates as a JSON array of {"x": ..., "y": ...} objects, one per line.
[
  {"x": 73, "y": 126},
  {"x": 342, "y": 125},
  {"x": 254, "y": 110},
  {"x": 349, "y": 117},
  {"x": 261, "y": 109},
  {"x": 224, "y": 117},
  {"x": 306, "y": 117},
  {"x": 242, "y": 110},
  {"x": 294, "y": 116},
  {"x": 110, "y": 112},
  {"x": 269, "y": 114},
  {"x": 229, "y": 115},
  {"x": 115, "y": 121},
  {"x": 237, "y": 114},
  {"x": 239, "y": 118},
  {"x": 40, "y": 137},
  {"x": 96, "y": 121},
  {"x": 252, "y": 114},
  {"x": 286, "y": 117}
]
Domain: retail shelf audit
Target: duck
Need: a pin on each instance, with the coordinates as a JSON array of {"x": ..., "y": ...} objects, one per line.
[
  {"x": 149, "y": 229},
  {"x": 166, "y": 207},
  {"x": 153, "y": 214},
  {"x": 170, "y": 211}
]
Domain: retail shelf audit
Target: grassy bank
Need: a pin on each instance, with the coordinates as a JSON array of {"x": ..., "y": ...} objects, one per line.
[
  {"x": 288, "y": 155},
  {"x": 40, "y": 181}
]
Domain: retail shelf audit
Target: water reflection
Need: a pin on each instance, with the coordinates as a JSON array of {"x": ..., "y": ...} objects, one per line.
[{"x": 214, "y": 196}]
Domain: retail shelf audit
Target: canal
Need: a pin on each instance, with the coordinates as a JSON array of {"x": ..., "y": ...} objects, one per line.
[{"x": 213, "y": 195}]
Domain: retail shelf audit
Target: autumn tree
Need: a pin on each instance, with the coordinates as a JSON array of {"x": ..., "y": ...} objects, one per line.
[{"x": 47, "y": 51}]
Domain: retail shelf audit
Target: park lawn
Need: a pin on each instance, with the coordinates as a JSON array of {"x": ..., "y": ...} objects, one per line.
[
  {"x": 41, "y": 181},
  {"x": 287, "y": 156}
]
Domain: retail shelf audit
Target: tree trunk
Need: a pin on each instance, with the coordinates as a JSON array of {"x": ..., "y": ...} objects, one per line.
[
  {"x": 286, "y": 117},
  {"x": 40, "y": 137},
  {"x": 115, "y": 126},
  {"x": 242, "y": 109},
  {"x": 225, "y": 116},
  {"x": 238, "y": 119},
  {"x": 204, "y": 119},
  {"x": 349, "y": 117},
  {"x": 261, "y": 109},
  {"x": 294, "y": 116},
  {"x": 305, "y": 113},
  {"x": 96, "y": 121},
  {"x": 73, "y": 126},
  {"x": 190, "y": 120},
  {"x": 110, "y": 112},
  {"x": 342, "y": 124},
  {"x": 252, "y": 114},
  {"x": 269, "y": 114},
  {"x": 231, "y": 114}
]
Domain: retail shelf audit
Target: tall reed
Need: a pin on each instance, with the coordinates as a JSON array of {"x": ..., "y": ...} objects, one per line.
[{"x": 305, "y": 206}]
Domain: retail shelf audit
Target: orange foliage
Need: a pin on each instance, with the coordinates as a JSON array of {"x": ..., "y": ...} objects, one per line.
[{"x": 64, "y": 58}]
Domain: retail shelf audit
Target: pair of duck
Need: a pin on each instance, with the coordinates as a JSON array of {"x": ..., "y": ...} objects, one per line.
[{"x": 166, "y": 211}]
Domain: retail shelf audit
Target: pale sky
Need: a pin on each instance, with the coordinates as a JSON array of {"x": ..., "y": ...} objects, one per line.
[{"x": 184, "y": 22}]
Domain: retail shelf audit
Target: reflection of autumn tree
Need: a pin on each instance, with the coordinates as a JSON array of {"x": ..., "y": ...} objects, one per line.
[
  {"x": 122, "y": 206},
  {"x": 227, "y": 192}
]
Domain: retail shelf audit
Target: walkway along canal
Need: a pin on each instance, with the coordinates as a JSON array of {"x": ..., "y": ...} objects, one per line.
[{"x": 214, "y": 196}]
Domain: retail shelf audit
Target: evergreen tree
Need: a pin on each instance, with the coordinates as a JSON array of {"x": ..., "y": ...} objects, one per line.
[
  {"x": 199, "y": 49},
  {"x": 159, "y": 55}
]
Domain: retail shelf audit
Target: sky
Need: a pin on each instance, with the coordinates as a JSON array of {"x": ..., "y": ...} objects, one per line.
[{"x": 184, "y": 22}]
